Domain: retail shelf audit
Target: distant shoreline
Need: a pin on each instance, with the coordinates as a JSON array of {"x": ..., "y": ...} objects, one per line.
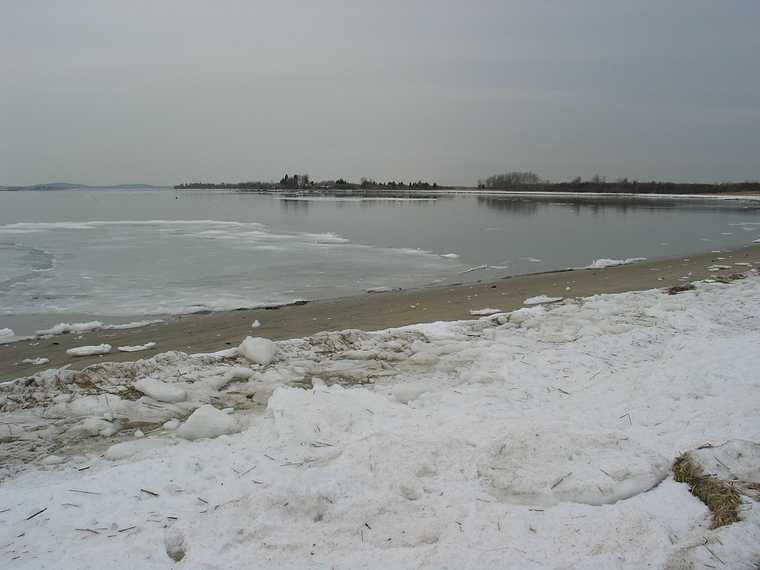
[{"x": 569, "y": 188}]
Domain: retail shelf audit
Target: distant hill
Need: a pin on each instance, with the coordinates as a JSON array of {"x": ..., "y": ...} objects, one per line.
[{"x": 71, "y": 186}]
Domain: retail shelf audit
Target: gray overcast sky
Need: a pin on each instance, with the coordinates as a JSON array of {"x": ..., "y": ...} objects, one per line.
[{"x": 179, "y": 90}]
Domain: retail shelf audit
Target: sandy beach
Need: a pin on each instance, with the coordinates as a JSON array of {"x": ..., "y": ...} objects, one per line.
[{"x": 375, "y": 311}]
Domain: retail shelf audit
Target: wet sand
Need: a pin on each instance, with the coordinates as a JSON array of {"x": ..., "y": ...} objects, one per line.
[{"x": 217, "y": 331}]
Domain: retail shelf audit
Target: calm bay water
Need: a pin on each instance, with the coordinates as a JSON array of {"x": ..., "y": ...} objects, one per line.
[{"x": 118, "y": 255}]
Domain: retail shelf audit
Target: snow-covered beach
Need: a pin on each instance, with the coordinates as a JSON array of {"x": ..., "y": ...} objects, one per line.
[{"x": 540, "y": 438}]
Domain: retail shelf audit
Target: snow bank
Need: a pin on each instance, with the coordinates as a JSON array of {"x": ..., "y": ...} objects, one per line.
[
  {"x": 258, "y": 350},
  {"x": 207, "y": 422},
  {"x": 89, "y": 350},
  {"x": 538, "y": 439},
  {"x": 602, "y": 263}
]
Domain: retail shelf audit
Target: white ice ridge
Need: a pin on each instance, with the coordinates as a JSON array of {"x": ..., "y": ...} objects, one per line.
[
  {"x": 542, "y": 438},
  {"x": 541, "y": 299},
  {"x": 602, "y": 263},
  {"x": 78, "y": 328}
]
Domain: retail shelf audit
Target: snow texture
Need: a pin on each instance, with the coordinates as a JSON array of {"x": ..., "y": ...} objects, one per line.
[{"x": 537, "y": 439}]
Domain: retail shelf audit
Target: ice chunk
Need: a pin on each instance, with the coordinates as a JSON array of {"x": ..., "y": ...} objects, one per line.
[
  {"x": 89, "y": 350},
  {"x": 541, "y": 299},
  {"x": 207, "y": 422},
  {"x": 485, "y": 312},
  {"x": 602, "y": 263},
  {"x": 256, "y": 324},
  {"x": 258, "y": 350},
  {"x": 450, "y": 255},
  {"x": 35, "y": 361},
  {"x": 136, "y": 348},
  {"x": 161, "y": 391}
]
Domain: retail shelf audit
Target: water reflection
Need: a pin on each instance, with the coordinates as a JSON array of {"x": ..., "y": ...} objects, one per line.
[{"x": 595, "y": 205}]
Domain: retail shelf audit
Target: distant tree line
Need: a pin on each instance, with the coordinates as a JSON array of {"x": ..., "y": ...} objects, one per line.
[
  {"x": 531, "y": 182},
  {"x": 510, "y": 179},
  {"x": 304, "y": 182}
]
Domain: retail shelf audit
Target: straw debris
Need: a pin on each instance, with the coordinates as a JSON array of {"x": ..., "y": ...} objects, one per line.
[{"x": 721, "y": 497}]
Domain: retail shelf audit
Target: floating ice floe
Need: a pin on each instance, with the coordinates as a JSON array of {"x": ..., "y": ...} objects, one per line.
[
  {"x": 450, "y": 255},
  {"x": 602, "y": 263},
  {"x": 89, "y": 350},
  {"x": 256, "y": 324}
]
